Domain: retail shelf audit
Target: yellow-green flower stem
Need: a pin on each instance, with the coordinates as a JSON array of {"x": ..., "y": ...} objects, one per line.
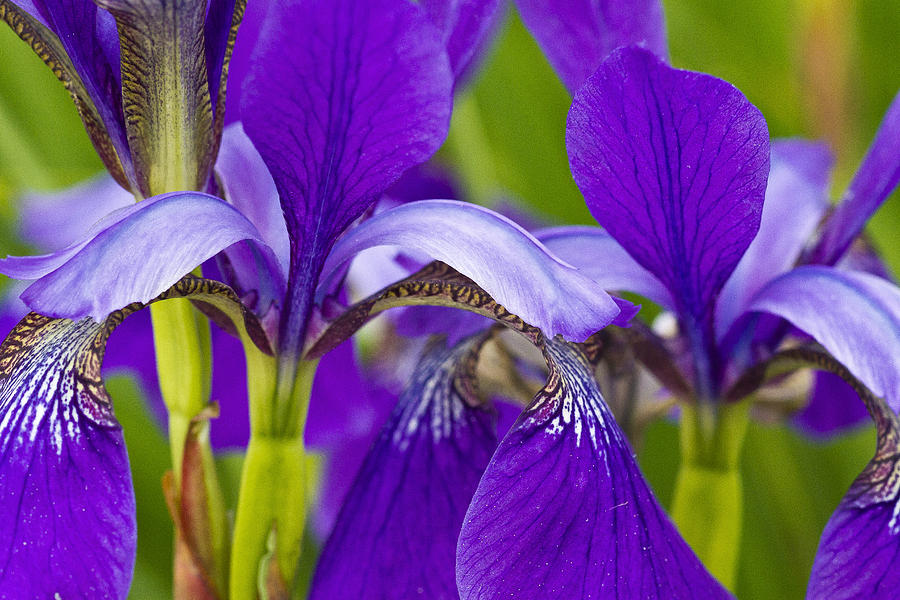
[
  {"x": 273, "y": 494},
  {"x": 708, "y": 501},
  {"x": 183, "y": 363}
]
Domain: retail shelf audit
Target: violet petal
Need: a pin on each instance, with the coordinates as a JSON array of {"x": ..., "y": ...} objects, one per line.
[
  {"x": 501, "y": 257},
  {"x": 66, "y": 504},
  {"x": 563, "y": 511},
  {"x": 674, "y": 165},
  {"x": 342, "y": 98},
  {"x": 465, "y": 26},
  {"x": 577, "y": 35},
  {"x": 876, "y": 178},
  {"x": 796, "y": 200},
  {"x": 396, "y": 534},
  {"x": 855, "y": 316},
  {"x": 133, "y": 255}
]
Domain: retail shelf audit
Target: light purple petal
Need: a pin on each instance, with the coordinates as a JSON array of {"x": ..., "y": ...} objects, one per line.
[
  {"x": 147, "y": 248},
  {"x": 52, "y": 221},
  {"x": 563, "y": 512},
  {"x": 501, "y": 257},
  {"x": 673, "y": 164},
  {"x": 796, "y": 200},
  {"x": 67, "y": 512},
  {"x": 855, "y": 316},
  {"x": 344, "y": 96},
  {"x": 596, "y": 254},
  {"x": 876, "y": 178},
  {"x": 576, "y": 35},
  {"x": 396, "y": 534}
]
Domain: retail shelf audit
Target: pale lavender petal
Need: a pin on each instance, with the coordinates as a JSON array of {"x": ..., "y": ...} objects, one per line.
[
  {"x": 833, "y": 407},
  {"x": 674, "y": 165},
  {"x": 396, "y": 534},
  {"x": 796, "y": 200},
  {"x": 52, "y": 221},
  {"x": 876, "y": 178},
  {"x": 855, "y": 316},
  {"x": 146, "y": 249},
  {"x": 576, "y": 35},
  {"x": 66, "y": 504},
  {"x": 501, "y": 257},
  {"x": 563, "y": 512},
  {"x": 599, "y": 256},
  {"x": 344, "y": 96}
]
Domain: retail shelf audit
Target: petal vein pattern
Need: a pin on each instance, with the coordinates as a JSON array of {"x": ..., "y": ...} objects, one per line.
[
  {"x": 66, "y": 501},
  {"x": 563, "y": 511}
]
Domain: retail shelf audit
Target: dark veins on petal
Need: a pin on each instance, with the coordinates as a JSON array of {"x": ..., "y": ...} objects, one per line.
[
  {"x": 563, "y": 511},
  {"x": 396, "y": 533}
]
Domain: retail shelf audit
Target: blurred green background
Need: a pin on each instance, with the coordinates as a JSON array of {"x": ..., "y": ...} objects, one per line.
[{"x": 816, "y": 68}]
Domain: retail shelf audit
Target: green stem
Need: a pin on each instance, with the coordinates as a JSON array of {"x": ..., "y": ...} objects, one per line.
[
  {"x": 273, "y": 494},
  {"x": 708, "y": 501}
]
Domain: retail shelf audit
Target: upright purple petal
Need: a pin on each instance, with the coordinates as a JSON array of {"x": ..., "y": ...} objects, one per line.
[
  {"x": 855, "y": 316},
  {"x": 67, "y": 512},
  {"x": 343, "y": 97},
  {"x": 833, "y": 407},
  {"x": 501, "y": 257},
  {"x": 396, "y": 534},
  {"x": 796, "y": 200},
  {"x": 876, "y": 178},
  {"x": 82, "y": 39},
  {"x": 577, "y": 35},
  {"x": 674, "y": 165},
  {"x": 465, "y": 26},
  {"x": 563, "y": 512},
  {"x": 134, "y": 255}
]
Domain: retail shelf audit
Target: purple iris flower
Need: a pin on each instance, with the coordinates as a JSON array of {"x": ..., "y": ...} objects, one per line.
[
  {"x": 342, "y": 97},
  {"x": 675, "y": 165}
]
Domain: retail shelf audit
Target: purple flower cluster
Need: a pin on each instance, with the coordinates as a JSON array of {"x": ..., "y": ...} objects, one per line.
[{"x": 330, "y": 103}]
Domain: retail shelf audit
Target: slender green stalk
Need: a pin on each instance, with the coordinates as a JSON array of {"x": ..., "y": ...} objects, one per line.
[{"x": 708, "y": 501}]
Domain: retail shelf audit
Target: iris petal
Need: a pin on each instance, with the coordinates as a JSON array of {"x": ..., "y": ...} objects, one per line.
[
  {"x": 855, "y": 316},
  {"x": 66, "y": 500},
  {"x": 577, "y": 35},
  {"x": 501, "y": 257},
  {"x": 674, "y": 165},
  {"x": 396, "y": 533},
  {"x": 343, "y": 97},
  {"x": 132, "y": 256},
  {"x": 562, "y": 510}
]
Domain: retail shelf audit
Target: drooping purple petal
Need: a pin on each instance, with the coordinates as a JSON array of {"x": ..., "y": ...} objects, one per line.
[
  {"x": 67, "y": 505},
  {"x": 501, "y": 257},
  {"x": 858, "y": 550},
  {"x": 464, "y": 25},
  {"x": 674, "y": 165},
  {"x": 396, "y": 534},
  {"x": 796, "y": 200},
  {"x": 343, "y": 97},
  {"x": 876, "y": 178},
  {"x": 563, "y": 512},
  {"x": 577, "y": 35},
  {"x": 855, "y": 316},
  {"x": 134, "y": 255},
  {"x": 52, "y": 221},
  {"x": 599, "y": 256}
]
